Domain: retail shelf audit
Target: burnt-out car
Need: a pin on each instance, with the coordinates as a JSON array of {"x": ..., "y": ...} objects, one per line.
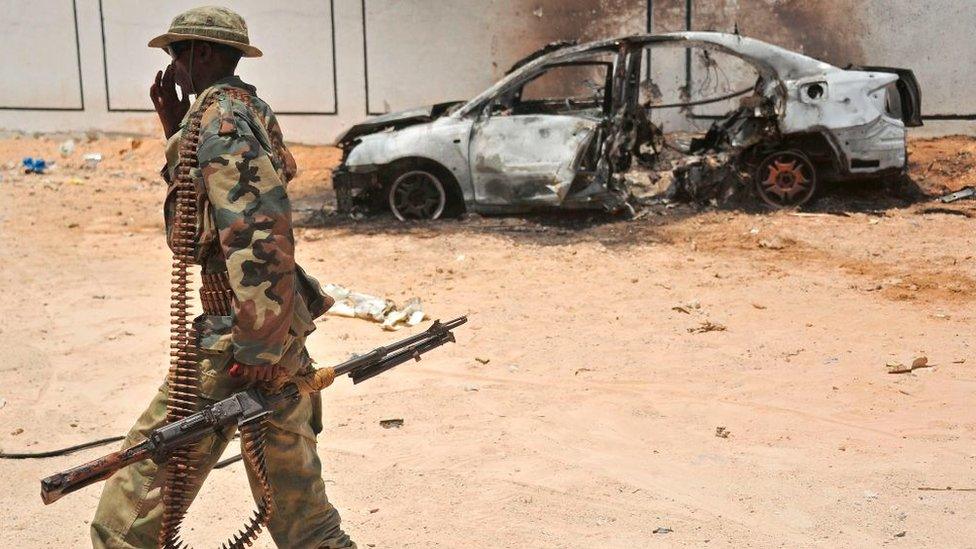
[{"x": 522, "y": 145}]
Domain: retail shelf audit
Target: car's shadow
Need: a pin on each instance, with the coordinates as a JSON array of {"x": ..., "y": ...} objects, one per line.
[{"x": 561, "y": 227}]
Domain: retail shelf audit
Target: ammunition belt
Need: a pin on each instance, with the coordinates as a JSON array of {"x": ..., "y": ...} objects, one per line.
[
  {"x": 183, "y": 382},
  {"x": 216, "y": 295}
]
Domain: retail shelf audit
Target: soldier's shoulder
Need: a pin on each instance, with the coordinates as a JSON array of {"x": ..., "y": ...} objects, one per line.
[{"x": 227, "y": 115}]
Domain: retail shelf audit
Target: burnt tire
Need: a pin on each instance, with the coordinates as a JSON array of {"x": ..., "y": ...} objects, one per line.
[
  {"x": 785, "y": 179},
  {"x": 417, "y": 194}
]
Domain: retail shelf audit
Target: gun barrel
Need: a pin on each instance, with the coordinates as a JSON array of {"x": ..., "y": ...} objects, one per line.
[
  {"x": 405, "y": 355},
  {"x": 380, "y": 354}
]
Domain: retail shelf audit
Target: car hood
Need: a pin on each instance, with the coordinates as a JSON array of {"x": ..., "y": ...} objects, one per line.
[{"x": 395, "y": 121}]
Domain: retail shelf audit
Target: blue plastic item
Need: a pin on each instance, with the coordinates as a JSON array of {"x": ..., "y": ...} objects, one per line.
[{"x": 34, "y": 165}]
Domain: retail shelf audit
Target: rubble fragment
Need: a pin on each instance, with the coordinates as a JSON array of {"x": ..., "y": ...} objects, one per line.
[
  {"x": 707, "y": 326},
  {"x": 904, "y": 367}
]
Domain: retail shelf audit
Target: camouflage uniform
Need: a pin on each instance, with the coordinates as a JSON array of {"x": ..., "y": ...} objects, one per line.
[{"x": 246, "y": 230}]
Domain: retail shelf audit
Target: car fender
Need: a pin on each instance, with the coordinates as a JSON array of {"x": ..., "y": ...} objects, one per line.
[{"x": 444, "y": 141}]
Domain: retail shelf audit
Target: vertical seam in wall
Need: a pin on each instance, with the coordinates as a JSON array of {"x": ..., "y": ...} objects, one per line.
[
  {"x": 81, "y": 81},
  {"x": 688, "y": 50},
  {"x": 335, "y": 66},
  {"x": 369, "y": 111},
  {"x": 650, "y": 30},
  {"x": 101, "y": 18}
]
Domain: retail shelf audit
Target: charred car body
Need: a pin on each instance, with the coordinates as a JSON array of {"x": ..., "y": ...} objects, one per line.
[{"x": 515, "y": 148}]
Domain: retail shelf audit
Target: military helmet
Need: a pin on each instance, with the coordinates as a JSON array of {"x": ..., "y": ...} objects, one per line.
[{"x": 210, "y": 24}]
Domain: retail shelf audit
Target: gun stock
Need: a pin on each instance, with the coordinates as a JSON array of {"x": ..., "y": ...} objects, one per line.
[{"x": 57, "y": 485}]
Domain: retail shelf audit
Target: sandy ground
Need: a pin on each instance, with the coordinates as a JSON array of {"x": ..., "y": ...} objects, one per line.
[{"x": 580, "y": 407}]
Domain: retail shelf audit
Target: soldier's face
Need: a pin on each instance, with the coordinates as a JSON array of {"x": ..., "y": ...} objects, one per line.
[{"x": 180, "y": 53}]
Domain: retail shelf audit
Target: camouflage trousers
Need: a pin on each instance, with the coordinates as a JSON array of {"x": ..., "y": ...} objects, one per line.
[{"x": 130, "y": 509}]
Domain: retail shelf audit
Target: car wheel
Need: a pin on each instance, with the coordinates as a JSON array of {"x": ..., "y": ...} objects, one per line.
[
  {"x": 417, "y": 194},
  {"x": 786, "y": 179}
]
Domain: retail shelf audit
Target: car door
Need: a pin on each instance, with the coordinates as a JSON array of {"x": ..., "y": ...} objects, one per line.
[{"x": 526, "y": 145}]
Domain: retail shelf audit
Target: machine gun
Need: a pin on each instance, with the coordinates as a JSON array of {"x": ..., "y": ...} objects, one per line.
[{"x": 245, "y": 407}]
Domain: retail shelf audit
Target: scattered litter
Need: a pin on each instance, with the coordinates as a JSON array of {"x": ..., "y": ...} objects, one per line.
[
  {"x": 663, "y": 530},
  {"x": 394, "y": 423},
  {"x": 471, "y": 388},
  {"x": 578, "y": 370},
  {"x": 513, "y": 368},
  {"x": 681, "y": 309},
  {"x": 722, "y": 432},
  {"x": 967, "y": 192},
  {"x": 34, "y": 165},
  {"x": 483, "y": 360},
  {"x": 16, "y": 431},
  {"x": 707, "y": 326},
  {"x": 903, "y": 368},
  {"x": 959, "y": 361},
  {"x": 371, "y": 511},
  {"x": 901, "y": 534},
  {"x": 759, "y": 306},
  {"x": 92, "y": 160},
  {"x": 66, "y": 148},
  {"x": 868, "y": 494},
  {"x": 831, "y": 360},
  {"x": 941, "y": 316},
  {"x": 411, "y": 315},
  {"x": 3, "y": 402},
  {"x": 376, "y": 309}
]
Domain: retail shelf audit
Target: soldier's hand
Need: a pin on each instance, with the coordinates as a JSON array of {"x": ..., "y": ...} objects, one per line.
[
  {"x": 253, "y": 374},
  {"x": 170, "y": 105}
]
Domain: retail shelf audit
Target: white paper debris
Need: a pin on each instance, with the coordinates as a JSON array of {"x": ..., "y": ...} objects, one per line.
[{"x": 375, "y": 309}]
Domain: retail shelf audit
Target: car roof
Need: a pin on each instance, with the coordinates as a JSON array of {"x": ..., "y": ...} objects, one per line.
[{"x": 768, "y": 59}]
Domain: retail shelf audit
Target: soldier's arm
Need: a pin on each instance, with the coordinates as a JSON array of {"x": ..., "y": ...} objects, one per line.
[{"x": 253, "y": 217}]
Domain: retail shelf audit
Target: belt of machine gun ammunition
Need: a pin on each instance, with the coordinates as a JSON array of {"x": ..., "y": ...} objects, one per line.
[{"x": 183, "y": 379}]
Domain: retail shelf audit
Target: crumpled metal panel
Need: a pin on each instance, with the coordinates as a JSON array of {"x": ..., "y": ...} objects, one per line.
[{"x": 527, "y": 159}]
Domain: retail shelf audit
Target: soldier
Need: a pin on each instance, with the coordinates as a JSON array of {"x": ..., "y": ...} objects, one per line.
[{"x": 244, "y": 238}]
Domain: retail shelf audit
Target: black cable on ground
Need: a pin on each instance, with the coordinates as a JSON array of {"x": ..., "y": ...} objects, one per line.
[
  {"x": 92, "y": 444},
  {"x": 62, "y": 451},
  {"x": 228, "y": 461}
]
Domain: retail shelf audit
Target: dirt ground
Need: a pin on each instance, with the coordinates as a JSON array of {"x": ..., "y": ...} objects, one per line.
[{"x": 586, "y": 404}]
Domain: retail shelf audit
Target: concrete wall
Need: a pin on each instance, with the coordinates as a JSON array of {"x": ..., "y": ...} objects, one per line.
[{"x": 74, "y": 65}]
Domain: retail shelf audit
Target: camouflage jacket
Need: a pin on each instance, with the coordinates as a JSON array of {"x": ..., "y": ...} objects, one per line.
[{"x": 245, "y": 227}]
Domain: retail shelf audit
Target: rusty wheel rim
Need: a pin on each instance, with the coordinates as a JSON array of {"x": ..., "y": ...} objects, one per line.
[{"x": 786, "y": 179}]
